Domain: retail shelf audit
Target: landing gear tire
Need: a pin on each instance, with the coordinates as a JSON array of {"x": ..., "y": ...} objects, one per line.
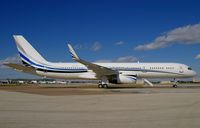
[
  {"x": 105, "y": 86},
  {"x": 174, "y": 86},
  {"x": 100, "y": 86},
  {"x": 175, "y": 83}
]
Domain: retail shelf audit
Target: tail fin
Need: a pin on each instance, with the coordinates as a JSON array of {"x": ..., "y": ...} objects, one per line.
[{"x": 27, "y": 53}]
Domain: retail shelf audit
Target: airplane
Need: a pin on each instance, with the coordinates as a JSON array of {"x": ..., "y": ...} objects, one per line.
[{"x": 117, "y": 73}]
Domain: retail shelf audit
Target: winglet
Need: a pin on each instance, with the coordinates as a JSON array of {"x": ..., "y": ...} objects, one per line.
[{"x": 73, "y": 53}]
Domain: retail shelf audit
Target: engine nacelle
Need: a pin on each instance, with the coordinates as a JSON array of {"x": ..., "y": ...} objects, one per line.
[{"x": 126, "y": 79}]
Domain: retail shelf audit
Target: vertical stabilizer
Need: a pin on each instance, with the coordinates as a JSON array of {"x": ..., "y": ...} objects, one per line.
[{"x": 27, "y": 52}]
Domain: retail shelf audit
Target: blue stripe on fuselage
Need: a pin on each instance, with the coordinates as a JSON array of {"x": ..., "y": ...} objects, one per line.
[
  {"x": 46, "y": 67},
  {"x": 82, "y": 69},
  {"x": 29, "y": 61}
]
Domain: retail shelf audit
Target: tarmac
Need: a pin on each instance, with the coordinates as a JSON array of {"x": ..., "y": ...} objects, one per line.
[{"x": 45, "y": 107}]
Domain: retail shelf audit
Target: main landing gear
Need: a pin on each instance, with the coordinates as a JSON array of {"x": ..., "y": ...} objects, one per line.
[{"x": 103, "y": 83}]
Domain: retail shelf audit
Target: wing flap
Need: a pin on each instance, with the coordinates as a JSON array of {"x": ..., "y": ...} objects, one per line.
[{"x": 99, "y": 70}]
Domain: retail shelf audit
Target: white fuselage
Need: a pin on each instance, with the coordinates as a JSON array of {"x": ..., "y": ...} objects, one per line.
[
  {"x": 34, "y": 63},
  {"x": 141, "y": 70}
]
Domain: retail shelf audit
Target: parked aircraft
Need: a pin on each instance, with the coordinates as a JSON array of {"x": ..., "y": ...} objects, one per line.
[{"x": 119, "y": 73}]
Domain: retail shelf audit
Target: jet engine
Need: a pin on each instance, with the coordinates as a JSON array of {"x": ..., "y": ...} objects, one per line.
[
  {"x": 123, "y": 79},
  {"x": 126, "y": 79}
]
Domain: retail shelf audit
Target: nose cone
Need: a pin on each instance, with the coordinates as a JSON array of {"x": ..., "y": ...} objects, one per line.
[{"x": 193, "y": 73}]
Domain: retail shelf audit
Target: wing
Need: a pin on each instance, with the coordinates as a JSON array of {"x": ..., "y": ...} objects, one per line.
[
  {"x": 98, "y": 69},
  {"x": 21, "y": 68}
]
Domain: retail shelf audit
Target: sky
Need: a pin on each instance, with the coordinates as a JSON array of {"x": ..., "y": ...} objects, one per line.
[{"x": 102, "y": 30}]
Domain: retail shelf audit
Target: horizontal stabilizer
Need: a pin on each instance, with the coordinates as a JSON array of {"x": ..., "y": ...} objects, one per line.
[{"x": 21, "y": 68}]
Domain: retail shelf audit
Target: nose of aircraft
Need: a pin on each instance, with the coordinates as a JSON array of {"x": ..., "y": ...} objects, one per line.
[{"x": 193, "y": 73}]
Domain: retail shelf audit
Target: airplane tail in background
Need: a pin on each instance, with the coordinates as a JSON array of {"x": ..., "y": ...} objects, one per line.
[{"x": 27, "y": 53}]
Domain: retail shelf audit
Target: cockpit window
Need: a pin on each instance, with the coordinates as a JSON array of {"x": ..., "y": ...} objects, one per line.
[{"x": 189, "y": 68}]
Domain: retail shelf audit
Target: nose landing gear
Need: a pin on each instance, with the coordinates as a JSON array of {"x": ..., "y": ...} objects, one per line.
[
  {"x": 175, "y": 83},
  {"x": 175, "y": 86}
]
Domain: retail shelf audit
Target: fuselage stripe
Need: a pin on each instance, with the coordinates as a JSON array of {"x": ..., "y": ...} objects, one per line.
[
  {"x": 46, "y": 67},
  {"x": 50, "y": 69}
]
